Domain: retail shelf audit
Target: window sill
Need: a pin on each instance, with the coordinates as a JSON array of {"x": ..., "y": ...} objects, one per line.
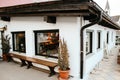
[
  {"x": 99, "y": 49},
  {"x": 89, "y": 55}
]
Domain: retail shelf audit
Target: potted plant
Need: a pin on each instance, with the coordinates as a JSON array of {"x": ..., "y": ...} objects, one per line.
[
  {"x": 5, "y": 46},
  {"x": 63, "y": 60}
]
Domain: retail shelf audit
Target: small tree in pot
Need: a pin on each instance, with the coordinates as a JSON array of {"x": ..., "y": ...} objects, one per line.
[
  {"x": 63, "y": 60},
  {"x": 5, "y": 46}
]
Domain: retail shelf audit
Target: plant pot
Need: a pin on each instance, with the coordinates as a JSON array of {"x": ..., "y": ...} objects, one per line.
[
  {"x": 64, "y": 74},
  {"x": 4, "y": 57}
]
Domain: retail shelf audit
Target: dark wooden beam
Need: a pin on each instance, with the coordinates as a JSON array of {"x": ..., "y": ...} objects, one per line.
[
  {"x": 5, "y": 18},
  {"x": 67, "y": 13},
  {"x": 46, "y": 8},
  {"x": 34, "y": 8},
  {"x": 76, "y": 0},
  {"x": 106, "y": 22}
]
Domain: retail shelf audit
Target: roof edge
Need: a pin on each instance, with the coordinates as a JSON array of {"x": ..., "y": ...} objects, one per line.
[{"x": 85, "y": 8}]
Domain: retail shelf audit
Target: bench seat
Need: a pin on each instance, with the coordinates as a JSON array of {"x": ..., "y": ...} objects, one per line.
[{"x": 30, "y": 60}]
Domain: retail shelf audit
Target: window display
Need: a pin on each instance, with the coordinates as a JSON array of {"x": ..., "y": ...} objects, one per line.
[{"x": 47, "y": 43}]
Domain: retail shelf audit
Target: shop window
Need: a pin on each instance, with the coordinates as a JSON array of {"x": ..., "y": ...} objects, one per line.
[
  {"x": 19, "y": 41},
  {"x": 47, "y": 43},
  {"x": 89, "y": 40}
]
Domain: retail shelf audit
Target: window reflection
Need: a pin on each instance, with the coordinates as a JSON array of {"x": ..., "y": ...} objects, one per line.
[
  {"x": 47, "y": 43},
  {"x": 89, "y": 42},
  {"x": 19, "y": 41}
]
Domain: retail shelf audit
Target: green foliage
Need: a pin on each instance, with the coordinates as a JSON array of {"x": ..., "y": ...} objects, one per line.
[
  {"x": 63, "y": 58},
  {"x": 5, "y": 44}
]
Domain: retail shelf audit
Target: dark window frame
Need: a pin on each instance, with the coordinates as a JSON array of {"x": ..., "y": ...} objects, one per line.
[
  {"x": 107, "y": 37},
  {"x": 91, "y": 41},
  {"x": 98, "y": 39},
  {"x": 13, "y": 41},
  {"x": 35, "y": 39}
]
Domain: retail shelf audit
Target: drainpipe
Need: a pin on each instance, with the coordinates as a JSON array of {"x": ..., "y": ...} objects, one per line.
[{"x": 97, "y": 20}]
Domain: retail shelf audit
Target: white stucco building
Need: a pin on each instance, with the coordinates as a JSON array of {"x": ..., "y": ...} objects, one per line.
[{"x": 28, "y": 24}]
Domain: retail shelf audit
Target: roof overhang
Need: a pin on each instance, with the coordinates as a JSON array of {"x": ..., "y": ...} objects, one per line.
[
  {"x": 54, "y": 8},
  {"x": 88, "y": 10}
]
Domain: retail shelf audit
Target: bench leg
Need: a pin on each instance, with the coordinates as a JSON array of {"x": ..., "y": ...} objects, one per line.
[
  {"x": 29, "y": 64},
  {"x": 9, "y": 58},
  {"x": 23, "y": 63},
  {"x": 52, "y": 72}
]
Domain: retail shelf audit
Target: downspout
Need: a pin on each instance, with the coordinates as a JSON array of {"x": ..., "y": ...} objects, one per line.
[{"x": 97, "y": 20}]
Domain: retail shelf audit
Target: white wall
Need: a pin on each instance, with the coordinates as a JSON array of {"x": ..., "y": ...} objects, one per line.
[
  {"x": 91, "y": 60},
  {"x": 69, "y": 29}
]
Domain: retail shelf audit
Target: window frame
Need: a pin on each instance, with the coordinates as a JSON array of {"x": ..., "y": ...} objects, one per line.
[
  {"x": 98, "y": 39},
  {"x": 13, "y": 41},
  {"x": 91, "y": 41},
  {"x": 107, "y": 37},
  {"x": 35, "y": 38}
]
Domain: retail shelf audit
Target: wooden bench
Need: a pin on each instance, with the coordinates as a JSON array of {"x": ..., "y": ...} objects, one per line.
[{"x": 30, "y": 60}]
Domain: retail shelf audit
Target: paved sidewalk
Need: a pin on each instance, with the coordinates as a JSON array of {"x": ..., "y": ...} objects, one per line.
[
  {"x": 13, "y": 71},
  {"x": 108, "y": 69}
]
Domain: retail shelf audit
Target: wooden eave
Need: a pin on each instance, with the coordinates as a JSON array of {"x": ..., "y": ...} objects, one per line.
[
  {"x": 56, "y": 8},
  {"x": 107, "y": 22},
  {"x": 106, "y": 19},
  {"x": 89, "y": 10}
]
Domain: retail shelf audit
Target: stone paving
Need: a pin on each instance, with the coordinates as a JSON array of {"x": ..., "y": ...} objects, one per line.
[
  {"x": 108, "y": 69},
  {"x": 13, "y": 71}
]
